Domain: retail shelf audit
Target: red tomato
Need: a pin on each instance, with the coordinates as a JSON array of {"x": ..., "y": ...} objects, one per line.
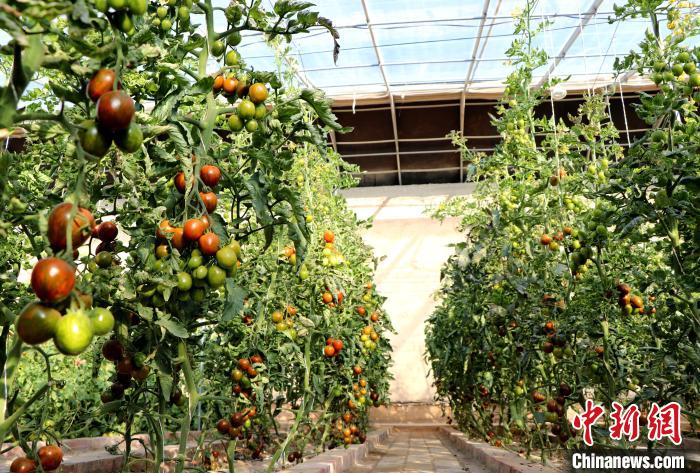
[{"x": 53, "y": 279}]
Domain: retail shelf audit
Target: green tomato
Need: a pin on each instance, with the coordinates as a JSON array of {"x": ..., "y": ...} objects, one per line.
[
  {"x": 234, "y": 39},
  {"x": 172, "y": 3},
  {"x": 195, "y": 261},
  {"x": 166, "y": 24},
  {"x": 235, "y": 123},
  {"x": 129, "y": 140},
  {"x": 162, "y": 12},
  {"x": 184, "y": 281},
  {"x": 117, "y": 4},
  {"x": 159, "y": 265},
  {"x": 226, "y": 257},
  {"x": 73, "y": 333},
  {"x": 236, "y": 247},
  {"x": 216, "y": 276},
  {"x": 281, "y": 326},
  {"x": 689, "y": 67},
  {"x": 138, "y": 7},
  {"x": 246, "y": 109},
  {"x": 93, "y": 140},
  {"x": 124, "y": 22},
  {"x": 200, "y": 273},
  {"x": 183, "y": 13},
  {"x": 102, "y": 320},
  {"x": 37, "y": 323},
  {"x": 102, "y": 5},
  {"x": 104, "y": 259},
  {"x": 260, "y": 111},
  {"x": 677, "y": 69},
  {"x": 694, "y": 80},
  {"x": 251, "y": 125},
  {"x": 218, "y": 48},
  {"x": 232, "y": 58},
  {"x": 683, "y": 56}
]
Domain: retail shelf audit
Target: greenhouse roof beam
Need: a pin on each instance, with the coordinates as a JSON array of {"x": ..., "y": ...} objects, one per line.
[
  {"x": 585, "y": 18},
  {"x": 388, "y": 89}
]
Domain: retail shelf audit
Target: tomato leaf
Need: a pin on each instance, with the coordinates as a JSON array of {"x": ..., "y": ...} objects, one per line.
[
  {"x": 173, "y": 327},
  {"x": 235, "y": 297},
  {"x": 322, "y": 107}
]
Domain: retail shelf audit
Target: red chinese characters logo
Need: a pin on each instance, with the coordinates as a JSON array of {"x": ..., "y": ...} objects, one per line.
[
  {"x": 587, "y": 419},
  {"x": 664, "y": 422}
]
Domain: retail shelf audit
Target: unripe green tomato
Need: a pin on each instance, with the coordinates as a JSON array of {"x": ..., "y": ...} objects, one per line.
[
  {"x": 260, "y": 111},
  {"x": 138, "y": 7},
  {"x": 198, "y": 295},
  {"x": 73, "y": 333},
  {"x": 162, "y": 12},
  {"x": 166, "y": 24},
  {"x": 183, "y": 13},
  {"x": 218, "y": 48},
  {"x": 251, "y": 125},
  {"x": 124, "y": 22},
  {"x": 232, "y": 58},
  {"x": 104, "y": 259},
  {"x": 216, "y": 276},
  {"x": 117, "y": 4},
  {"x": 200, "y": 272},
  {"x": 235, "y": 123},
  {"x": 184, "y": 281},
  {"x": 102, "y": 320},
  {"x": 281, "y": 326},
  {"x": 195, "y": 261},
  {"x": 102, "y": 5}
]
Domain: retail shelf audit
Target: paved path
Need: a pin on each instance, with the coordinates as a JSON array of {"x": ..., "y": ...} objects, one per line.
[{"x": 416, "y": 451}]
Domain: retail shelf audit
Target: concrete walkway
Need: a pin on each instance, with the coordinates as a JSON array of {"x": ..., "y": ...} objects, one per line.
[
  {"x": 416, "y": 451},
  {"x": 414, "y": 248}
]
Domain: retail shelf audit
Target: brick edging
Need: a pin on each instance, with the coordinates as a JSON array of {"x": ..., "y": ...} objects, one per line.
[
  {"x": 340, "y": 459},
  {"x": 495, "y": 459}
]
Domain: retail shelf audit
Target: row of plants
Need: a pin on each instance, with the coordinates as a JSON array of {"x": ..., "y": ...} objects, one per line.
[
  {"x": 175, "y": 255},
  {"x": 578, "y": 276}
]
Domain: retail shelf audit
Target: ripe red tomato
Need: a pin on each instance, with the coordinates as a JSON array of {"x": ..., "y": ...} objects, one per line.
[
  {"x": 81, "y": 227},
  {"x": 256, "y": 359},
  {"x": 357, "y": 370},
  {"x": 193, "y": 229},
  {"x": 23, "y": 465},
  {"x": 115, "y": 110},
  {"x": 178, "y": 238},
  {"x": 180, "y": 183},
  {"x": 107, "y": 231},
  {"x": 244, "y": 364},
  {"x": 338, "y": 345},
  {"x": 545, "y": 239},
  {"x": 361, "y": 310},
  {"x": 52, "y": 279},
  {"x": 210, "y": 200},
  {"x": 206, "y": 219},
  {"x": 327, "y": 298},
  {"x": 329, "y": 236},
  {"x": 101, "y": 83},
  {"x": 329, "y": 351},
  {"x": 50, "y": 457},
  {"x": 37, "y": 323},
  {"x": 210, "y": 175},
  {"x": 209, "y": 243}
]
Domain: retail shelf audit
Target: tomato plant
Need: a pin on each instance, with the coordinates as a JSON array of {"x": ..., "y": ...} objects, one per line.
[
  {"x": 578, "y": 274},
  {"x": 164, "y": 244}
]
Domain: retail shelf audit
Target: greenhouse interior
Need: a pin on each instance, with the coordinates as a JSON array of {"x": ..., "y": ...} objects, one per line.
[{"x": 349, "y": 236}]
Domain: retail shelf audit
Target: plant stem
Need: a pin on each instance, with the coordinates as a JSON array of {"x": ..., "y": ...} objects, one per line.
[{"x": 193, "y": 399}]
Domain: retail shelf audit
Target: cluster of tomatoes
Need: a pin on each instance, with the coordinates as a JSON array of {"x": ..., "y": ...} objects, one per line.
[
  {"x": 683, "y": 72},
  {"x": 251, "y": 110},
  {"x": 170, "y": 11},
  {"x": 61, "y": 313},
  {"x": 628, "y": 302},
  {"x": 128, "y": 369},
  {"x": 333, "y": 347},
  {"x": 557, "y": 177},
  {"x": 209, "y": 261},
  {"x": 348, "y": 431},
  {"x": 285, "y": 323},
  {"x": 555, "y": 411},
  {"x": 330, "y": 256},
  {"x": 556, "y": 342},
  {"x": 50, "y": 458},
  {"x": 244, "y": 374},
  {"x": 114, "y": 117},
  {"x": 329, "y": 301},
  {"x": 121, "y": 12},
  {"x": 368, "y": 338}
]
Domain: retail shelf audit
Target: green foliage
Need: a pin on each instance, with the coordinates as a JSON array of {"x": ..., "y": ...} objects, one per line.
[{"x": 534, "y": 302}]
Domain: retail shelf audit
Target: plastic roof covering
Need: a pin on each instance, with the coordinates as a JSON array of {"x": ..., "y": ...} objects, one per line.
[{"x": 428, "y": 45}]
